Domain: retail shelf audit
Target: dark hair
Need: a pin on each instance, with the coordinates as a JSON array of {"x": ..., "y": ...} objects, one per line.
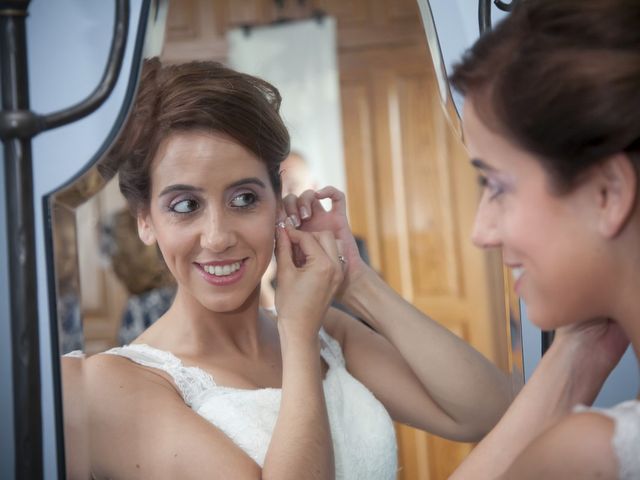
[
  {"x": 195, "y": 96},
  {"x": 561, "y": 78}
]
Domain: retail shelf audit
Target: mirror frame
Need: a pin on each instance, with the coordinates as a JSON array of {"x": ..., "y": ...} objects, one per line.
[{"x": 59, "y": 205}]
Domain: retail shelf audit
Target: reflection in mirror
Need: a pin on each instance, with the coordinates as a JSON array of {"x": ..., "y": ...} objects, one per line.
[{"x": 364, "y": 109}]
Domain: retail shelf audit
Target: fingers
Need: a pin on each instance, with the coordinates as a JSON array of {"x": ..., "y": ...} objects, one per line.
[
  {"x": 317, "y": 246},
  {"x": 338, "y": 202},
  {"x": 284, "y": 255},
  {"x": 303, "y": 207},
  {"x": 328, "y": 243}
]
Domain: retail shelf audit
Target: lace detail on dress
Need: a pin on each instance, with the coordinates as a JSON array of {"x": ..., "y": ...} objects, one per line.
[
  {"x": 362, "y": 431},
  {"x": 331, "y": 350},
  {"x": 626, "y": 436},
  {"x": 190, "y": 381}
]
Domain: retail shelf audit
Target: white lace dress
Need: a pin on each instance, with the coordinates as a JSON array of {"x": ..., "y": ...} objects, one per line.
[
  {"x": 364, "y": 443},
  {"x": 626, "y": 436}
]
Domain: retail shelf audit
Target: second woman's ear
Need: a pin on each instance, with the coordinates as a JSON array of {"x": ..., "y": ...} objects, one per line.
[
  {"x": 145, "y": 229},
  {"x": 618, "y": 183}
]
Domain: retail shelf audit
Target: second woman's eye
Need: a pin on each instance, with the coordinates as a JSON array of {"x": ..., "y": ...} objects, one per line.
[
  {"x": 244, "y": 200},
  {"x": 493, "y": 187},
  {"x": 184, "y": 206}
]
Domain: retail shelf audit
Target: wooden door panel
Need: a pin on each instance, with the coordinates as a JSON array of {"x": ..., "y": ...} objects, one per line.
[
  {"x": 425, "y": 197},
  {"x": 430, "y": 225},
  {"x": 360, "y": 173}
]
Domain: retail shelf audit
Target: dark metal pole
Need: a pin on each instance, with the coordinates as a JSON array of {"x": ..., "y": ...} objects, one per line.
[
  {"x": 18, "y": 124},
  {"x": 484, "y": 16},
  {"x": 21, "y": 244}
]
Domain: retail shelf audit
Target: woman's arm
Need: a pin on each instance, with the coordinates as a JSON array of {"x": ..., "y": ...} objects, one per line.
[
  {"x": 579, "y": 446},
  {"x": 301, "y": 445},
  {"x": 468, "y": 394},
  {"x": 446, "y": 386},
  {"x": 572, "y": 371}
]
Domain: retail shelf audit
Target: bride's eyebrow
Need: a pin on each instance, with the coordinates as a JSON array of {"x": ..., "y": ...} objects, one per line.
[
  {"x": 179, "y": 187},
  {"x": 249, "y": 180}
]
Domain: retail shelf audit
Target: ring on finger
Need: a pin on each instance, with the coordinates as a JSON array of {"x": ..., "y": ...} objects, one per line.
[{"x": 342, "y": 260}]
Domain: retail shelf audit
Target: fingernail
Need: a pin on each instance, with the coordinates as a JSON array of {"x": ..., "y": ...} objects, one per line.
[
  {"x": 295, "y": 220},
  {"x": 289, "y": 222},
  {"x": 280, "y": 225},
  {"x": 304, "y": 213}
]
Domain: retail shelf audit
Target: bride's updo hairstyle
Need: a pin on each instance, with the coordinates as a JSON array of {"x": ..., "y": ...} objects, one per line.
[
  {"x": 561, "y": 79},
  {"x": 203, "y": 96}
]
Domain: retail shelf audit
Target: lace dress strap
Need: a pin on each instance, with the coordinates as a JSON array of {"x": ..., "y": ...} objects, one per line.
[
  {"x": 190, "y": 381},
  {"x": 626, "y": 436},
  {"x": 331, "y": 350}
]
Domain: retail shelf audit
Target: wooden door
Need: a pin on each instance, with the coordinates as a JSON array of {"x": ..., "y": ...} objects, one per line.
[{"x": 412, "y": 195}]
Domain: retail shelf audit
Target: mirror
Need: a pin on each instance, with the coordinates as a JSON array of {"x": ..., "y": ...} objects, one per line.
[{"x": 369, "y": 111}]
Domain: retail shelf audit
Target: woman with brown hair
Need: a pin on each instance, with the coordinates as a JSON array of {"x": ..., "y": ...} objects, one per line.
[
  {"x": 218, "y": 388},
  {"x": 552, "y": 124}
]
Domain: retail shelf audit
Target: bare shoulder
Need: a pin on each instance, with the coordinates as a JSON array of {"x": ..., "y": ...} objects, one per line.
[
  {"x": 117, "y": 378},
  {"x": 579, "y": 446}
]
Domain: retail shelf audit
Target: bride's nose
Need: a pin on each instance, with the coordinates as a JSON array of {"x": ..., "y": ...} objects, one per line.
[{"x": 218, "y": 232}]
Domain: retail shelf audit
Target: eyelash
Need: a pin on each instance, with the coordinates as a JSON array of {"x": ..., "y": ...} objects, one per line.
[
  {"x": 173, "y": 205},
  {"x": 251, "y": 203},
  {"x": 494, "y": 188}
]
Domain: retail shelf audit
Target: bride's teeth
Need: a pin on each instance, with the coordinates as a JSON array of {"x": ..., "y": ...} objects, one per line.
[{"x": 221, "y": 270}]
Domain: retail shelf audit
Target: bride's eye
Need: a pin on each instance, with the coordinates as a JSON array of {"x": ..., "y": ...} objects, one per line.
[
  {"x": 184, "y": 206},
  {"x": 244, "y": 200}
]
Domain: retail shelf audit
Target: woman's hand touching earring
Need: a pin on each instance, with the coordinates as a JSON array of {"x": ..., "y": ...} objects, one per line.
[
  {"x": 307, "y": 213},
  {"x": 307, "y": 283}
]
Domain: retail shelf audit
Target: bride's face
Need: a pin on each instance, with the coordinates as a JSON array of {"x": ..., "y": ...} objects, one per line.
[{"x": 212, "y": 212}]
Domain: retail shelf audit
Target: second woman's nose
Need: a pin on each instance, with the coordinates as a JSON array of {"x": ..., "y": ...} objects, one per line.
[{"x": 485, "y": 231}]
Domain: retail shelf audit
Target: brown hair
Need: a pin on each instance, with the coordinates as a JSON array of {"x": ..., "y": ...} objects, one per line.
[
  {"x": 561, "y": 78},
  {"x": 196, "y": 96}
]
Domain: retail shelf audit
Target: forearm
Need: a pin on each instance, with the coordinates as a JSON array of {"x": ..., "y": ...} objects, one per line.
[
  {"x": 301, "y": 445},
  {"x": 465, "y": 385},
  {"x": 553, "y": 390}
]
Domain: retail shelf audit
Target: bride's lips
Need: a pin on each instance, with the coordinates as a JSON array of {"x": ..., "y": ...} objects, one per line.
[{"x": 222, "y": 280}]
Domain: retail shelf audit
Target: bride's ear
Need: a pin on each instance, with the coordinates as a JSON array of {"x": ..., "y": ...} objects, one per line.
[
  {"x": 618, "y": 188},
  {"x": 145, "y": 229}
]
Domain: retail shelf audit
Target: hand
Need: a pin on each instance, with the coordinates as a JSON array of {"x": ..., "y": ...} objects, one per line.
[
  {"x": 602, "y": 338},
  {"x": 597, "y": 346},
  {"x": 308, "y": 283},
  {"x": 309, "y": 215}
]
